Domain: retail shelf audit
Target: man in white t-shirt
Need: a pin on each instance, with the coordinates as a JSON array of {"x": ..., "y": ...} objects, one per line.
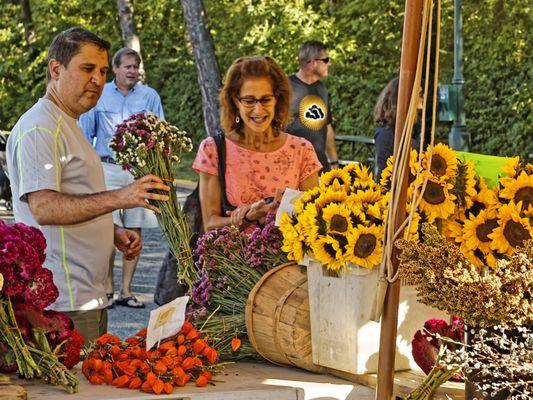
[{"x": 58, "y": 182}]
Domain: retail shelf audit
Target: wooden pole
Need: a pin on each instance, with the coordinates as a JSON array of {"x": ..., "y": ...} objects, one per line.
[{"x": 389, "y": 319}]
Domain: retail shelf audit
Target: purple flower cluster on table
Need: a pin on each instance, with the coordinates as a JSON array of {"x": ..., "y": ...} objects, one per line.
[{"x": 229, "y": 263}]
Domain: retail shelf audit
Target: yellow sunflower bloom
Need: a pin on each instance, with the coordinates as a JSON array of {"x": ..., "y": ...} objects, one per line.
[
  {"x": 337, "y": 218},
  {"x": 339, "y": 175},
  {"x": 477, "y": 228},
  {"x": 512, "y": 229},
  {"x": 437, "y": 201},
  {"x": 511, "y": 166},
  {"x": 292, "y": 238},
  {"x": 452, "y": 229},
  {"x": 308, "y": 197},
  {"x": 413, "y": 233},
  {"x": 365, "y": 246},
  {"x": 386, "y": 174},
  {"x": 443, "y": 161},
  {"x": 518, "y": 190},
  {"x": 361, "y": 176},
  {"x": 328, "y": 251},
  {"x": 483, "y": 199},
  {"x": 333, "y": 194},
  {"x": 465, "y": 184}
]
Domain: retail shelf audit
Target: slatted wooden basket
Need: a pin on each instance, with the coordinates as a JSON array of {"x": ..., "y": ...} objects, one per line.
[{"x": 277, "y": 317}]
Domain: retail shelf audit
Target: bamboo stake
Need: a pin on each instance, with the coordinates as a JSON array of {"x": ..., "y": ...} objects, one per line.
[{"x": 389, "y": 320}]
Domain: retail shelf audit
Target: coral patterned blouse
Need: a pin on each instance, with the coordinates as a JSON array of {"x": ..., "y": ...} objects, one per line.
[{"x": 253, "y": 175}]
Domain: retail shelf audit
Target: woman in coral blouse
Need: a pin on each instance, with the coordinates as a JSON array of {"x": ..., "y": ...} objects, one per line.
[{"x": 261, "y": 159}]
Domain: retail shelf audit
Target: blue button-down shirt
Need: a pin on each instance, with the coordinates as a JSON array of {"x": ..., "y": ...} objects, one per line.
[{"x": 99, "y": 123}]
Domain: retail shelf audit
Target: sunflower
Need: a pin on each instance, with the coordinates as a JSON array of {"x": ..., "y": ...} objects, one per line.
[
  {"x": 329, "y": 252},
  {"x": 465, "y": 183},
  {"x": 443, "y": 161},
  {"x": 361, "y": 176},
  {"x": 292, "y": 238},
  {"x": 512, "y": 229},
  {"x": 511, "y": 166},
  {"x": 386, "y": 174},
  {"x": 311, "y": 225},
  {"x": 334, "y": 193},
  {"x": 477, "y": 228},
  {"x": 413, "y": 233},
  {"x": 483, "y": 199},
  {"x": 338, "y": 175},
  {"x": 337, "y": 218},
  {"x": 365, "y": 246},
  {"x": 452, "y": 229},
  {"x": 308, "y": 197},
  {"x": 518, "y": 190},
  {"x": 437, "y": 200},
  {"x": 479, "y": 258}
]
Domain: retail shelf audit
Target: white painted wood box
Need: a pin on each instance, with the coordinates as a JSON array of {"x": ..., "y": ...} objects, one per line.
[{"x": 342, "y": 334}]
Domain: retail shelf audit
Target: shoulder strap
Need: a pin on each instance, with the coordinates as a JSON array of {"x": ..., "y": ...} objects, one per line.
[{"x": 220, "y": 141}]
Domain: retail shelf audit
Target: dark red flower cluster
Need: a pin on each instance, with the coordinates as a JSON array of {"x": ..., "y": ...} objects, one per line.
[
  {"x": 30, "y": 288},
  {"x": 426, "y": 343}
]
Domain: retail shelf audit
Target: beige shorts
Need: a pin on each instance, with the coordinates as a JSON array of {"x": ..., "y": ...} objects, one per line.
[
  {"x": 90, "y": 324},
  {"x": 116, "y": 178}
]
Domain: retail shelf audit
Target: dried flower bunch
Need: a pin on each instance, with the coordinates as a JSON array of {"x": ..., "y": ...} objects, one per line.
[
  {"x": 229, "y": 263},
  {"x": 447, "y": 280},
  {"x": 144, "y": 144},
  {"x": 498, "y": 361},
  {"x": 339, "y": 222},
  {"x": 34, "y": 342}
]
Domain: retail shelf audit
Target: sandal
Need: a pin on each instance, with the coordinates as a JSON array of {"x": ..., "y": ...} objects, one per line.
[
  {"x": 130, "y": 301},
  {"x": 110, "y": 301}
]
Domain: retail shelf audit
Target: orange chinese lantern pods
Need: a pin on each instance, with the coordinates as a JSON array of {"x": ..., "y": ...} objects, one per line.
[{"x": 235, "y": 344}]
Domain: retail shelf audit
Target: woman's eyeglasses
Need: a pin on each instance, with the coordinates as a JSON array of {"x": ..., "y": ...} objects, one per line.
[{"x": 250, "y": 101}]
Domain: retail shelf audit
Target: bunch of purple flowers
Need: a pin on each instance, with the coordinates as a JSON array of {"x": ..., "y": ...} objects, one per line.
[{"x": 229, "y": 264}]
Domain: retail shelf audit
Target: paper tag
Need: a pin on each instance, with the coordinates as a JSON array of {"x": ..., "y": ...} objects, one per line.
[
  {"x": 287, "y": 203},
  {"x": 166, "y": 321}
]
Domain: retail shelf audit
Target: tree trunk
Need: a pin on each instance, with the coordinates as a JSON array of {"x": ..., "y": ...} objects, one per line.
[
  {"x": 206, "y": 62},
  {"x": 29, "y": 33},
  {"x": 129, "y": 33}
]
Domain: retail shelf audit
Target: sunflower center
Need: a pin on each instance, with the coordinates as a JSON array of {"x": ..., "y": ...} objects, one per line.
[
  {"x": 484, "y": 229},
  {"x": 338, "y": 223},
  {"x": 328, "y": 247},
  {"x": 476, "y": 208},
  {"x": 434, "y": 193},
  {"x": 365, "y": 245},
  {"x": 515, "y": 233},
  {"x": 524, "y": 194},
  {"x": 438, "y": 165}
]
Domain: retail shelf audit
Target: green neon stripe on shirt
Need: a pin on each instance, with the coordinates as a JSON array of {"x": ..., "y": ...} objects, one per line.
[{"x": 58, "y": 149}]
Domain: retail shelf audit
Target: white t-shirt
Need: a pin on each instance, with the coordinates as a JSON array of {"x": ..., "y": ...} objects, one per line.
[{"x": 47, "y": 150}]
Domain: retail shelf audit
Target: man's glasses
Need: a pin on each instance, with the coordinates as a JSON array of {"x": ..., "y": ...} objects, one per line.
[
  {"x": 325, "y": 60},
  {"x": 250, "y": 101}
]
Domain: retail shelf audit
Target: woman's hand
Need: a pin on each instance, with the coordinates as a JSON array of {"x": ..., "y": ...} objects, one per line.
[
  {"x": 259, "y": 210},
  {"x": 237, "y": 215}
]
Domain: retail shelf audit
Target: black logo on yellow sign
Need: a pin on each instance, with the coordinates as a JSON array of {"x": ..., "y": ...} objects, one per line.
[{"x": 313, "y": 112}]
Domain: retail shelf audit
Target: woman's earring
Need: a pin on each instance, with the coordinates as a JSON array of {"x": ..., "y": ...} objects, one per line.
[{"x": 237, "y": 119}]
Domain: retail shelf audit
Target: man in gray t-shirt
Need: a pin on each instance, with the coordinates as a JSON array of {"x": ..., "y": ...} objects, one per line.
[
  {"x": 311, "y": 113},
  {"x": 58, "y": 182}
]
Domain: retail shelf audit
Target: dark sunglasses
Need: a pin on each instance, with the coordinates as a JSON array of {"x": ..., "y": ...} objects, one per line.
[{"x": 325, "y": 60}]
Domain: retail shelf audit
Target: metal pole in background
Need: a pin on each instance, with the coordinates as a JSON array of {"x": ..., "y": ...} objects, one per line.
[{"x": 458, "y": 138}]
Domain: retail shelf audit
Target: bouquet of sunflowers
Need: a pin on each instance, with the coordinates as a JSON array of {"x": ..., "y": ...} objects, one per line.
[
  {"x": 496, "y": 221},
  {"x": 339, "y": 222}
]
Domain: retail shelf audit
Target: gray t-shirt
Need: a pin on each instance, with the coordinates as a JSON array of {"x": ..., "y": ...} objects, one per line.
[
  {"x": 311, "y": 115},
  {"x": 47, "y": 150}
]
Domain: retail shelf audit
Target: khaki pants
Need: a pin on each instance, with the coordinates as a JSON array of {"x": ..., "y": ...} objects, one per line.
[{"x": 91, "y": 324}]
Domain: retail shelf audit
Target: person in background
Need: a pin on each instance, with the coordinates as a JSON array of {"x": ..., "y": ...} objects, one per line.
[
  {"x": 385, "y": 119},
  {"x": 121, "y": 98},
  {"x": 58, "y": 182},
  {"x": 261, "y": 159},
  {"x": 310, "y": 106}
]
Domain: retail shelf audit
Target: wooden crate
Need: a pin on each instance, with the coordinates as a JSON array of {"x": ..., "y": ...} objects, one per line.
[
  {"x": 343, "y": 336},
  {"x": 10, "y": 391}
]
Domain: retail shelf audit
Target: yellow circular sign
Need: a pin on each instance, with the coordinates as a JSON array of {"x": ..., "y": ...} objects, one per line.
[{"x": 313, "y": 112}]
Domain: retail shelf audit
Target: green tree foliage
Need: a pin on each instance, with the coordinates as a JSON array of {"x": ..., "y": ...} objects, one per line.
[{"x": 364, "y": 37}]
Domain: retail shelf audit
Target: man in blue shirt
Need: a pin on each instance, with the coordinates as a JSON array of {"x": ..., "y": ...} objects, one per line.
[{"x": 121, "y": 98}]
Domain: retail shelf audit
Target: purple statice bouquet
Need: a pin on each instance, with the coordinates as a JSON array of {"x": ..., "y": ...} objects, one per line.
[
  {"x": 34, "y": 342},
  {"x": 229, "y": 263}
]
